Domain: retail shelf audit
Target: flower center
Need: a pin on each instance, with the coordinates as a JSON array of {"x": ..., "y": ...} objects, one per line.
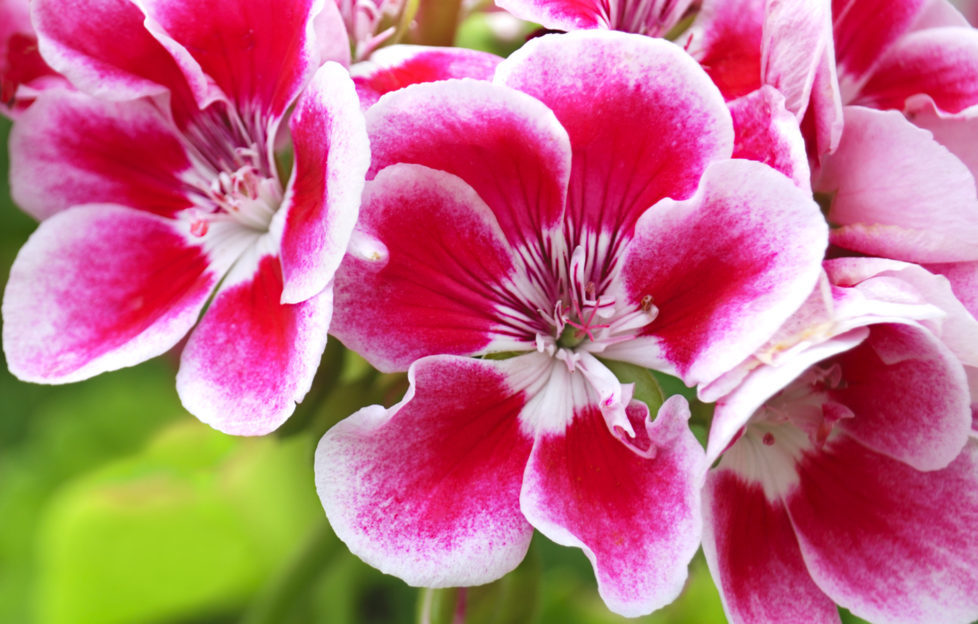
[
  {"x": 247, "y": 196},
  {"x": 586, "y": 320},
  {"x": 806, "y": 404},
  {"x": 233, "y": 178}
]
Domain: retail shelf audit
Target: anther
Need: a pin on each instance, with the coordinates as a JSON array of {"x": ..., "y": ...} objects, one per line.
[
  {"x": 646, "y": 304},
  {"x": 590, "y": 290}
]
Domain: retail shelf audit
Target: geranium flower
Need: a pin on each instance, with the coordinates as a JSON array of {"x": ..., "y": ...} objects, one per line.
[
  {"x": 515, "y": 237},
  {"x": 851, "y": 478},
  {"x": 895, "y": 191},
  {"x": 900, "y": 181},
  {"x": 165, "y": 192},
  {"x": 913, "y": 195},
  {"x": 911, "y": 126}
]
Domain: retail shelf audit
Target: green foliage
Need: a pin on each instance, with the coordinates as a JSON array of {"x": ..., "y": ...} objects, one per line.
[
  {"x": 190, "y": 525},
  {"x": 848, "y": 618},
  {"x": 479, "y": 31},
  {"x": 647, "y": 388},
  {"x": 55, "y": 433}
]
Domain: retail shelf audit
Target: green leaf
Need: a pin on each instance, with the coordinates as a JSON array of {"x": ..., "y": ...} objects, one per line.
[
  {"x": 848, "y": 618},
  {"x": 191, "y": 526},
  {"x": 647, "y": 389},
  {"x": 477, "y": 31}
]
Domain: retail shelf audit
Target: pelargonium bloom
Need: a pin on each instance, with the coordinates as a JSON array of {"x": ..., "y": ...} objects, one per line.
[
  {"x": 902, "y": 180},
  {"x": 159, "y": 191},
  {"x": 515, "y": 238},
  {"x": 896, "y": 190},
  {"x": 851, "y": 478},
  {"x": 913, "y": 194}
]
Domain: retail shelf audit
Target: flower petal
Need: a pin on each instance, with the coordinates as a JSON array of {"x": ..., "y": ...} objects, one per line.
[
  {"x": 915, "y": 287},
  {"x": 558, "y": 14},
  {"x": 909, "y": 396},
  {"x": 964, "y": 282},
  {"x": 718, "y": 303},
  {"x": 331, "y": 35},
  {"x": 956, "y": 132},
  {"x": 767, "y": 132},
  {"x": 103, "y": 48},
  {"x": 796, "y": 41},
  {"x": 259, "y": 53},
  {"x": 98, "y": 288},
  {"x": 634, "y": 140},
  {"x": 70, "y": 149},
  {"x": 938, "y": 13},
  {"x": 898, "y": 193},
  {"x": 428, "y": 490},
  {"x": 398, "y": 66},
  {"x": 754, "y": 557},
  {"x": 939, "y": 62},
  {"x": 23, "y": 73},
  {"x": 437, "y": 284},
  {"x": 323, "y": 199},
  {"x": 251, "y": 358},
  {"x": 726, "y": 39},
  {"x": 636, "y": 517},
  {"x": 504, "y": 144},
  {"x": 865, "y": 29},
  {"x": 886, "y": 541},
  {"x": 823, "y": 121}
]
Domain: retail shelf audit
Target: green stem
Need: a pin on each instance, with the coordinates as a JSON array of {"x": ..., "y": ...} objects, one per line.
[{"x": 276, "y": 600}]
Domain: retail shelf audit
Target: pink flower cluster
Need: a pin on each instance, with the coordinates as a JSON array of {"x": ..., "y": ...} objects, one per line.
[{"x": 778, "y": 206}]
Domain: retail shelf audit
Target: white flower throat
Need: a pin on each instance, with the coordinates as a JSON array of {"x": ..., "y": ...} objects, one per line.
[{"x": 234, "y": 177}]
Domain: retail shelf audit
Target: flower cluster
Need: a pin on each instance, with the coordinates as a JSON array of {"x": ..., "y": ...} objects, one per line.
[{"x": 774, "y": 202}]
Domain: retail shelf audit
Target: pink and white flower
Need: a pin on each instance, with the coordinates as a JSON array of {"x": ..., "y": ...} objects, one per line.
[
  {"x": 516, "y": 236},
  {"x": 900, "y": 180},
  {"x": 159, "y": 192},
  {"x": 913, "y": 194},
  {"x": 847, "y": 473}
]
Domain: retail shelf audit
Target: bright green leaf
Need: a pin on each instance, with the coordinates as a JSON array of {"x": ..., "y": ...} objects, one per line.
[{"x": 190, "y": 526}]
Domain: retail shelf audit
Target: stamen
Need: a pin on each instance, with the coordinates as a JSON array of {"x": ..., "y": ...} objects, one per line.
[
  {"x": 589, "y": 291},
  {"x": 807, "y": 404},
  {"x": 646, "y": 303},
  {"x": 232, "y": 173}
]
